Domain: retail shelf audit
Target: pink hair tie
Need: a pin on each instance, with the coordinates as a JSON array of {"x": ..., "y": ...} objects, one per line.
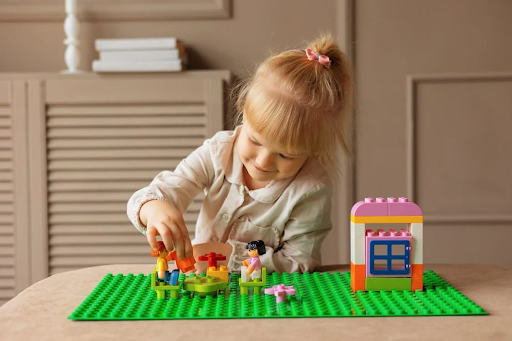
[{"x": 322, "y": 59}]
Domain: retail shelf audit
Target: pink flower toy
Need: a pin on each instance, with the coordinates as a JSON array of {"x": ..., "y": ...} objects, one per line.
[{"x": 280, "y": 291}]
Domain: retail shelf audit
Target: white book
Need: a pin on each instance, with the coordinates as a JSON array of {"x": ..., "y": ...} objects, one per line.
[
  {"x": 127, "y": 56},
  {"x": 137, "y": 44},
  {"x": 141, "y": 56},
  {"x": 154, "y": 66}
]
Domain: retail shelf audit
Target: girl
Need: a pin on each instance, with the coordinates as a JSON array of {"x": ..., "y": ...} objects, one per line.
[{"x": 269, "y": 179}]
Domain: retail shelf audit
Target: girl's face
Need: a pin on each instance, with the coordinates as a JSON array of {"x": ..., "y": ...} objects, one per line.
[
  {"x": 262, "y": 163},
  {"x": 253, "y": 253}
]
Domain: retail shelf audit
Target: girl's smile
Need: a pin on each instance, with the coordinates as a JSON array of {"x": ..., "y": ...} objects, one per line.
[{"x": 261, "y": 170}]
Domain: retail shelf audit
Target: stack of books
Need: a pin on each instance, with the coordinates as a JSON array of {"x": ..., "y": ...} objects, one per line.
[{"x": 140, "y": 55}]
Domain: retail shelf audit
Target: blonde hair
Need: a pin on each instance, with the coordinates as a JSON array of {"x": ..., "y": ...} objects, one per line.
[{"x": 299, "y": 104}]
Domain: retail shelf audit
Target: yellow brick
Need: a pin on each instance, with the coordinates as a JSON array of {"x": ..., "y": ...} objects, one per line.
[{"x": 387, "y": 219}]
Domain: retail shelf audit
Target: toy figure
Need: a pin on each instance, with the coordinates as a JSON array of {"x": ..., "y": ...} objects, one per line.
[
  {"x": 162, "y": 268},
  {"x": 252, "y": 266},
  {"x": 163, "y": 257}
]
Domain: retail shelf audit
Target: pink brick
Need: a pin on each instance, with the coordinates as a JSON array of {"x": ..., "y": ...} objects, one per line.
[
  {"x": 380, "y": 234},
  {"x": 402, "y": 207},
  {"x": 370, "y": 208}
]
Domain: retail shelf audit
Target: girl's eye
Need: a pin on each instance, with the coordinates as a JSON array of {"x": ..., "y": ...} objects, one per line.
[
  {"x": 284, "y": 157},
  {"x": 254, "y": 142}
]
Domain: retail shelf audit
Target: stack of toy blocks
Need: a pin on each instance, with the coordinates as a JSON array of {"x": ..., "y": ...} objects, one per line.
[
  {"x": 399, "y": 263},
  {"x": 214, "y": 271}
]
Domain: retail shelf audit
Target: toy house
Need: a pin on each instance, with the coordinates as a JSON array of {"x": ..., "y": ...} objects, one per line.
[{"x": 386, "y": 260}]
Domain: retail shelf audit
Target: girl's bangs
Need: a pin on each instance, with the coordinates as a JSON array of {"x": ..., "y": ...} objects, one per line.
[{"x": 284, "y": 122}]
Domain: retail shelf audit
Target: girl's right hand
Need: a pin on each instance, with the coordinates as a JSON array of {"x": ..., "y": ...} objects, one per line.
[{"x": 162, "y": 218}]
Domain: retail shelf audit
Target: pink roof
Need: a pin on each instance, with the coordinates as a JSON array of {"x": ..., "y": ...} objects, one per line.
[{"x": 381, "y": 208}]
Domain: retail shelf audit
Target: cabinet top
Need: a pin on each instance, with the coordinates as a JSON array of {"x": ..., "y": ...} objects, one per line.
[{"x": 219, "y": 74}]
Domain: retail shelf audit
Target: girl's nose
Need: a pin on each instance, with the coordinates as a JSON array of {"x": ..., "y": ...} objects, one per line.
[{"x": 264, "y": 161}]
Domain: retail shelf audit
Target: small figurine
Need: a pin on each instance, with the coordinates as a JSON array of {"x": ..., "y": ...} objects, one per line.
[
  {"x": 162, "y": 268},
  {"x": 252, "y": 266}
]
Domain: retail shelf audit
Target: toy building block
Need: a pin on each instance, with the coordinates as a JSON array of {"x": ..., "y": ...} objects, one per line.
[
  {"x": 417, "y": 277},
  {"x": 403, "y": 207},
  {"x": 398, "y": 248},
  {"x": 370, "y": 208},
  {"x": 357, "y": 276},
  {"x": 388, "y": 210},
  {"x": 257, "y": 285},
  {"x": 125, "y": 297},
  {"x": 184, "y": 265},
  {"x": 387, "y": 283},
  {"x": 204, "y": 285},
  {"x": 212, "y": 259},
  {"x": 222, "y": 272},
  {"x": 357, "y": 256},
  {"x": 280, "y": 291},
  {"x": 213, "y": 270}
]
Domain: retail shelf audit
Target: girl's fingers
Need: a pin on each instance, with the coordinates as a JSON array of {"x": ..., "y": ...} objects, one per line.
[
  {"x": 175, "y": 236},
  {"x": 186, "y": 237},
  {"x": 178, "y": 240},
  {"x": 151, "y": 236},
  {"x": 166, "y": 235}
]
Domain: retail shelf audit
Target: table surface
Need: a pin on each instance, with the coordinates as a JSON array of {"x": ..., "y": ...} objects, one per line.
[{"x": 40, "y": 313}]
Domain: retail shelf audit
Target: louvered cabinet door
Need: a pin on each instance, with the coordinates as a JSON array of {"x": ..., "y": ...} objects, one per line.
[
  {"x": 106, "y": 138},
  {"x": 15, "y": 246},
  {"x": 7, "y": 268}
]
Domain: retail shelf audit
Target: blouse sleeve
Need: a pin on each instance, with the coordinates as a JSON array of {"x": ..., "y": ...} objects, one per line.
[
  {"x": 307, "y": 227},
  {"x": 179, "y": 187}
]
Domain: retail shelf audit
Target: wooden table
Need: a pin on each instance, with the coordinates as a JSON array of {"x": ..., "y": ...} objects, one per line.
[{"x": 40, "y": 313}]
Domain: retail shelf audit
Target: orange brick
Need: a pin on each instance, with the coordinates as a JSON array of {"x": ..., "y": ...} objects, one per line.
[
  {"x": 417, "y": 277},
  {"x": 357, "y": 276}
]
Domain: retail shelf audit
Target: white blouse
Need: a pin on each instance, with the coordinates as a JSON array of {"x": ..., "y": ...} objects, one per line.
[{"x": 292, "y": 216}]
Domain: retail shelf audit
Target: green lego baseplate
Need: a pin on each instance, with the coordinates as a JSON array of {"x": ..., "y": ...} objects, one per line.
[{"x": 130, "y": 297}]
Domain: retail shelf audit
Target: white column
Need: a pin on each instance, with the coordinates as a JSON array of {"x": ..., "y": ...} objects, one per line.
[
  {"x": 357, "y": 243},
  {"x": 71, "y": 28}
]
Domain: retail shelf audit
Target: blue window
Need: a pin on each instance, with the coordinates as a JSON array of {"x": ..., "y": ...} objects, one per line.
[{"x": 389, "y": 257}]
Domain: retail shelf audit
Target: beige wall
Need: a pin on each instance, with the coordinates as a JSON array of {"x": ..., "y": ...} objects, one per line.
[
  {"x": 447, "y": 64},
  {"x": 233, "y": 44},
  {"x": 237, "y": 43},
  {"x": 433, "y": 54}
]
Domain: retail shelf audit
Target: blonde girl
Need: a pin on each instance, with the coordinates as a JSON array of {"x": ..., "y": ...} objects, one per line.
[{"x": 270, "y": 178}]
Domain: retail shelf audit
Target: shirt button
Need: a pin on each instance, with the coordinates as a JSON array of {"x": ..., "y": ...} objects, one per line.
[
  {"x": 225, "y": 217},
  {"x": 215, "y": 239}
]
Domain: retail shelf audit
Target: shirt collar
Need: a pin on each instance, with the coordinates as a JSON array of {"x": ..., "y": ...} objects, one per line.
[{"x": 234, "y": 174}]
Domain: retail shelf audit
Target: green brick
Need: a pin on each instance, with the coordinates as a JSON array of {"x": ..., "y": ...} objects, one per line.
[
  {"x": 388, "y": 283},
  {"x": 130, "y": 297}
]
